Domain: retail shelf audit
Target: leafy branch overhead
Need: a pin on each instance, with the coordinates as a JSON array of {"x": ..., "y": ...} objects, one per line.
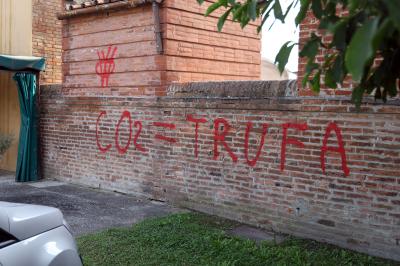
[{"x": 364, "y": 43}]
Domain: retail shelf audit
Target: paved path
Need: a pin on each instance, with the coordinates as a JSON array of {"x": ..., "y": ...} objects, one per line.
[{"x": 86, "y": 210}]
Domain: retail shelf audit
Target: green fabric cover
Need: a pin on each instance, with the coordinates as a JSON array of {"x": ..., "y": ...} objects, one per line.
[
  {"x": 19, "y": 63},
  {"x": 28, "y": 162}
]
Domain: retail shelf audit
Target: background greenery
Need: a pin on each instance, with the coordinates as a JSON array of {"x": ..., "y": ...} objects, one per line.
[
  {"x": 365, "y": 45},
  {"x": 5, "y": 143}
]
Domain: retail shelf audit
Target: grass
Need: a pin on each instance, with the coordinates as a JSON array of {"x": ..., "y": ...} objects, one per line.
[{"x": 198, "y": 239}]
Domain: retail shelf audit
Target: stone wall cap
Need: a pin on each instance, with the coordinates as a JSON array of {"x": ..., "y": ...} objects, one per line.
[{"x": 248, "y": 89}]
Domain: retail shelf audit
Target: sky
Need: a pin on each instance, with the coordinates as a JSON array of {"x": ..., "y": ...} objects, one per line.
[{"x": 274, "y": 38}]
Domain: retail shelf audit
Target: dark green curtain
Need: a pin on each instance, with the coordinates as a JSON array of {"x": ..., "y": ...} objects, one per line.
[{"x": 28, "y": 162}]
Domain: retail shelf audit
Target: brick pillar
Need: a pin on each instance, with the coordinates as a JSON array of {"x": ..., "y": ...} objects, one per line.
[{"x": 46, "y": 37}]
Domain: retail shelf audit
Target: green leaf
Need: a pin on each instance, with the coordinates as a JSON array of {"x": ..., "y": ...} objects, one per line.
[
  {"x": 384, "y": 95},
  {"x": 379, "y": 74},
  {"x": 378, "y": 93},
  {"x": 278, "y": 11},
  {"x": 212, "y": 8},
  {"x": 339, "y": 34},
  {"x": 316, "y": 7},
  {"x": 391, "y": 86},
  {"x": 283, "y": 56},
  {"x": 288, "y": 10},
  {"x": 357, "y": 96},
  {"x": 265, "y": 16},
  {"x": 244, "y": 19},
  {"x": 382, "y": 32},
  {"x": 252, "y": 9},
  {"x": 329, "y": 81},
  {"x": 360, "y": 50},
  {"x": 316, "y": 82},
  {"x": 223, "y": 2},
  {"x": 310, "y": 67},
  {"x": 304, "y": 5},
  {"x": 237, "y": 14},
  {"x": 394, "y": 11},
  {"x": 311, "y": 47},
  {"x": 222, "y": 19},
  {"x": 330, "y": 73},
  {"x": 353, "y": 6},
  {"x": 330, "y": 9},
  {"x": 244, "y": 22},
  {"x": 338, "y": 72}
]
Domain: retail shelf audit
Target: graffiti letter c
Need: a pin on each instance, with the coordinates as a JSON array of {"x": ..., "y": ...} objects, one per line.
[{"x": 101, "y": 148}]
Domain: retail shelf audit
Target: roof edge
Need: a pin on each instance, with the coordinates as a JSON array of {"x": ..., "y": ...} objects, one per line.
[{"x": 103, "y": 8}]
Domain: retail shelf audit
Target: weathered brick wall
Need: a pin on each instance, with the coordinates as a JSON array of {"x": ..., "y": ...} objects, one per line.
[
  {"x": 47, "y": 38},
  {"x": 147, "y": 146},
  {"x": 308, "y": 166},
  {"x": 196, "y": 51},
  {"x": 193, "y": 50},
  {"x": 127, "y": 39}
]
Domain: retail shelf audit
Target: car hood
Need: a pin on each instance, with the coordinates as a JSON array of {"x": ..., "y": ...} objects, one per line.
[{"x": 25, "y": 220}]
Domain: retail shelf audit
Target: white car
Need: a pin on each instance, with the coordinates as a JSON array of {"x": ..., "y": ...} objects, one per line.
[{"x": 35, "y": 235}]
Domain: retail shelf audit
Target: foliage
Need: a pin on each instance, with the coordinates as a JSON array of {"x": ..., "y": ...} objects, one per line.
[
  {"x": 197, "y": 239},
  {"x": 365, "y": 41},
  {"x": 5, "y": 143}
]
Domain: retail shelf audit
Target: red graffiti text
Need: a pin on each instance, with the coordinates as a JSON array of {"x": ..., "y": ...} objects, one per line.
[
  {"x": 222, "y": 138},
  {"x": 105, "y": 65}
]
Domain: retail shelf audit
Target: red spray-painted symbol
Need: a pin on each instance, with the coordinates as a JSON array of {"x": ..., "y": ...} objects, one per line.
[{"x": 106, "y": 66}]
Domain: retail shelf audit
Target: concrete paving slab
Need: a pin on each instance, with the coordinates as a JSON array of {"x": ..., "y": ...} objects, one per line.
[
  {"x": 43, "y": 184},
  {"x": 86, "y": 210}
]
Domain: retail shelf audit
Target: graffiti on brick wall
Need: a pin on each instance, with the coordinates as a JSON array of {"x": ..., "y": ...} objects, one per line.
[
  {"x": 105, "y": 66},
  {"x": 220, "y": 139}
]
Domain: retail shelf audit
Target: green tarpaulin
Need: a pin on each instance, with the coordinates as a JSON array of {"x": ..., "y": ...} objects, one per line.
[
  {"x": 26, "y": 79},
  {"x": 27, "y": 163},
  {"x": 22, "y": 63}
]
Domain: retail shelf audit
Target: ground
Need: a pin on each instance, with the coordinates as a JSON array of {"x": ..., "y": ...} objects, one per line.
[
  {"x": 164, "y": 235},
  {"x": 86, "y": 210}
]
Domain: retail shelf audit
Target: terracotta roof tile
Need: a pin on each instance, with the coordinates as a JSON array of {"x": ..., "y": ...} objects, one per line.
[{"x": 79, "y": 4}]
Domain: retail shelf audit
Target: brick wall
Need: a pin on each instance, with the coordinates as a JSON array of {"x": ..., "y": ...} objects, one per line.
[
  {"x": 309, "y": 166},
  {"x": 193, "y": 50},
  {"x": 196, "y": 51},
  {"x": 338, "y": 183},
  {"x": 138, "y": 69},
  {"x": 46, "y": 37}
]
